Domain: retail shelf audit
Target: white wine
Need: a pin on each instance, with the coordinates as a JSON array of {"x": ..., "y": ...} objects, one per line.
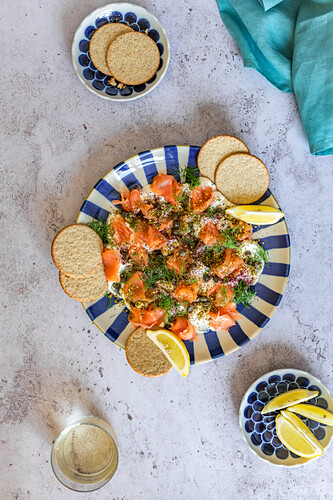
[
  {"x": 87, "y": 449},
  {"x": 85, "y": 454}
]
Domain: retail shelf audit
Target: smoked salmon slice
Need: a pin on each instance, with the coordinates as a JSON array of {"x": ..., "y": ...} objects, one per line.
[
  {"x": 209, "y": 234},
  {"x": 166, "y": 224},
  {"x": 221, "y": 293},
  {"x": 141, "y": 233},
  {"x": 122, "y": 233},
  {"x": 245, "y": 231},
  {"x": 178, "y": 262},
  {"x": 187, "y": 293},
  {"x": 230, "y": 308},
  {"x": 156, "y": 239},
  {"x": 131, "y": 201},
  {"x": 230, "y": 263},
  {"x": 134, "y": 288},
  {"x": 111, "y": 260},
  {"x": 167, "y": 186},
  {"x": 138, "y": 254},
  {"x": 184, "y": 329},
  {"x": 225, "y": 317},
  {"x": 147, "y": 318},
  {"x": 202, "y": 197}
]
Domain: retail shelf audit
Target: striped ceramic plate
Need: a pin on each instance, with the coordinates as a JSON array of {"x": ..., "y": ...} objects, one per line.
[{"x": 141, "y": 169}]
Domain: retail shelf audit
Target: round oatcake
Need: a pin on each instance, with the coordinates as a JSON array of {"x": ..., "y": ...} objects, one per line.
[
  {"x": 77, "y": 250},
  {"x": 133, "y": 58},
  {"x": 242, "y": 178},
  {"x": 144, "y": 356},
  {"x": 100, "y": 42},
  {"x": 85, "y": 289},
  {"x": 215, "y": 150}
]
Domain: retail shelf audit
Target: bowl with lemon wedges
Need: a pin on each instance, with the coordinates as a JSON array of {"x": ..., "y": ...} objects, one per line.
[{"x": 286, "y": 417}]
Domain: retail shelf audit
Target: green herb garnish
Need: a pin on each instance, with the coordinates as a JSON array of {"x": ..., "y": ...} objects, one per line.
[
  {"x": 261, "y": 255},
  {"x": 166, "y": 302},
  {"x": 244, "y": 294},
  {"x": 109, "y": 296},
  {"x": 102, "y": 228},
  {"x": 158, "y": 270},
  {"x": 229, "y": 235},
  {"x": 190, "y": 175}
]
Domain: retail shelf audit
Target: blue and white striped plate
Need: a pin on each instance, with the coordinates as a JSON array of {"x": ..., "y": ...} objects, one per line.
[{"x": 141, "y": 169}]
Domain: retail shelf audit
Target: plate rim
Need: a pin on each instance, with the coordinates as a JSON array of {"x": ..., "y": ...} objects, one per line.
[
  {"x": 123, "y": 98},
  {"x": 286, "y": 278},
  {"x": 279, "y": 371}
]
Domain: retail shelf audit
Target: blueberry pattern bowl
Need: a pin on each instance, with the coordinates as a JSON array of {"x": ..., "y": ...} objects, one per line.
[
  {"x": 138, "y": 19},
  {"x": 259, "y": 430}
]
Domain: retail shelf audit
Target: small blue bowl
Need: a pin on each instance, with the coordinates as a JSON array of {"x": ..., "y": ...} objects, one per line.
[
  {"x": 138, "y": 19},
  {"x": 259, "y": 431}
]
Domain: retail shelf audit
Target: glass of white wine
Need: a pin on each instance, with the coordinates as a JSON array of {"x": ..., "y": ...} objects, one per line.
[{"x": 85, "y": 454}]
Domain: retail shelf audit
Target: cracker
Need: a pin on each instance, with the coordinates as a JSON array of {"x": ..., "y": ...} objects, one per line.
[
  {"x": 144, "y": 356},
  {"x": 100, "y": 42},
  {"x": 215, "y": 150},
  {"x": 77, "y": 250},
  {"x": 242, "y": 178},
  {"x": 133, "y": 58},
  {"x": 85, "y": 289}
]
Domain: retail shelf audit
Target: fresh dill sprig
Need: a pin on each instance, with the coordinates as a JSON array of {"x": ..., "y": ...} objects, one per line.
[
  {"x": 229, "y": 235},
  {"x": 190, "y": 175},
  {"x": 102, "y": 228},
  {"x": 151, "y": 276},
  {"x": 166, "y": 302},
  {"x": 244, "y": 294},
  {"x": 158, "y": 270},
  {"x": 261, "y": 255},
  {"x": 109, "y": 296}
]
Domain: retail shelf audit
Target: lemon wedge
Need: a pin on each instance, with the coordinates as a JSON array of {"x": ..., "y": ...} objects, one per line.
[
  {"x": 289, "y": 398},
  {"x": 296, "y": 436},
  {"x": 314, "y": 412},
  {"x": 173, "y": 348},
  {"x": 256, "y": 214}
]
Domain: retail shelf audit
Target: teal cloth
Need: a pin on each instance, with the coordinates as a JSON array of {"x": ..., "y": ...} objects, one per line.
[
  {"x": 291, "y": 45},
  {"x": 268, "y": 4}
]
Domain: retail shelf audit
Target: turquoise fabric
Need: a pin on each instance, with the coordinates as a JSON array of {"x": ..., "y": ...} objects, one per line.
[
  {"x": 291, "y": 45},
  {"x": 268, "y": 4}
]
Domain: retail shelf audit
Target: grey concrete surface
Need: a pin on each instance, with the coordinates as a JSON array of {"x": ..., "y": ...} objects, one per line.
[{"x": 178, "y": 438}]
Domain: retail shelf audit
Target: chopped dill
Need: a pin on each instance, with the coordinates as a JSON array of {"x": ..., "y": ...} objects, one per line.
[
  {"x": 244, "y": 294},
  {"x": 261, "y": 255},
  {"x": 166, "y": 302},
  {"x": 158, "y": 271},
  {"x": 102, "y": 228},
  {"x": 109, "y": 296},
  {"x": 229, "y": 235},
  {"x": 190, "y": 175},
  {"x": 151, "y": 276}
]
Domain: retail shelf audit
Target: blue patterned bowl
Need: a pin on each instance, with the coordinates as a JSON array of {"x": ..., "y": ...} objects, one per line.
[
  {"x": 141, "y": 169},
  {"x": 259, "y": 430},
  {"x": 138, "y": 19}
]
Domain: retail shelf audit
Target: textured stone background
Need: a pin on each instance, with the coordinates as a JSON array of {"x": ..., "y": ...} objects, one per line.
[{"x": 178, "y": 438}]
